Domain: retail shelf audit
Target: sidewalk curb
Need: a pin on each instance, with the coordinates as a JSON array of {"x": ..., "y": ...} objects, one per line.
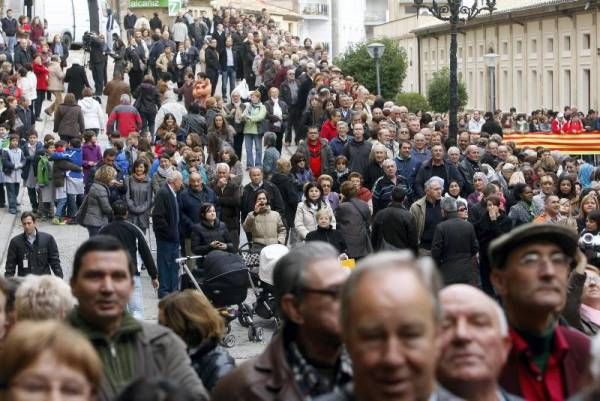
[{"x": 8, "y": 220}]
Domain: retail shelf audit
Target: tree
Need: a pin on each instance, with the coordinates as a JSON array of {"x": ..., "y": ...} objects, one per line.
[
  {"x": 413, "y": 101},
  {"x": 357, "y": 63},
  {"x": 438, "y": 91}
]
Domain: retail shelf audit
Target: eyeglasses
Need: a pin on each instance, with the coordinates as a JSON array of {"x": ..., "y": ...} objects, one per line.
[
  {"x": 462, "y": 209},
  {"x": 592, "y": 279},
  {"x": 333, "y": 292},
  {"x": 533, "y": 259}
]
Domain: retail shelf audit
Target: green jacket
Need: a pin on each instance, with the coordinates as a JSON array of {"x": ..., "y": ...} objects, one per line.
[
  {"x": 140, "y": 349},
  {"x": 253, "y": 117}
]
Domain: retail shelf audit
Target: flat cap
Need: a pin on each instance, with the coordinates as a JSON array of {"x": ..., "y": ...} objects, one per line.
[{"x": 561, "y": 235}]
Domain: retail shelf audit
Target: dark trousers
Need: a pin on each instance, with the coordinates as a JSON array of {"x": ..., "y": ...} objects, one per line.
[
  {"x": 73, "y": 203},
  {"x": 213, "y": 76},
  {"x": 238, "y": 143},
  {"x": 93, "y": 231},
  {"x": 279, "y": 138},
  {"x": 135, "y": 79},
  {"x": 12, "y": 190},
  {"x": 33, "y": 198},
  {"x": 41, "y": 95},
  {"x": 3, "y": 194},
  {"x": 168, "y": 270},
  {"x": 294, "y": 122},
  {"x": 148, "y": 121},
  {"x": 98, "y": 76}
]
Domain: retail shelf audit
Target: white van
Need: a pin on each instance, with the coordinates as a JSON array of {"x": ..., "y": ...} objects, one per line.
[{"x": 71, "y": 18}]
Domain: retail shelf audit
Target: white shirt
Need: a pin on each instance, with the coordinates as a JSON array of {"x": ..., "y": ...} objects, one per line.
[
  {"x": 229, "y": 53},
  {"x": 475, "y": 126}
]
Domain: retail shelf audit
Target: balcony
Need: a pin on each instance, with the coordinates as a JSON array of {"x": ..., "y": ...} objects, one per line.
[
  {"x": 375, "y": 17},
  {"x": 315, "y": 9}
]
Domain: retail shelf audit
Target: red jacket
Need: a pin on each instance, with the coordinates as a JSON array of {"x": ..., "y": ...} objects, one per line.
[
  {"x": 573, "y": 127},
  {"x": 328, "y": 130},
  {"x": 126, "y": 118},
  {"x": 558, "y": 127},
  {"x": 41, "y": 74}
]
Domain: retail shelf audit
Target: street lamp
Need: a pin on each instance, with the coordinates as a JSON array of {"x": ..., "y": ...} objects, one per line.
[
  {"x": 454, "y": 12},
  {"x": 490, "y": 61},
  {"x": 376, "y": 51}
]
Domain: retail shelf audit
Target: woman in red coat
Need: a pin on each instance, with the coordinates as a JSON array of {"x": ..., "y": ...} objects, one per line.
[
  {"x": 574, "y": 125},
  {"x": 37, "y": 31},
  {"x": 41, "y": 74},
  {"x": 329, "y": 127}
]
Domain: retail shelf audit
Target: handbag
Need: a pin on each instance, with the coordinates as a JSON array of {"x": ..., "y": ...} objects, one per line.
[
  {"x": 367, "y": 226},
  {"x": 82, "y": 211}
]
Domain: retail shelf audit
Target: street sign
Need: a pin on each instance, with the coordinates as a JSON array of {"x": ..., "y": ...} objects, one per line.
[
  {"x": 174, "y": 7},
  {"x": 148, "y": 3}
]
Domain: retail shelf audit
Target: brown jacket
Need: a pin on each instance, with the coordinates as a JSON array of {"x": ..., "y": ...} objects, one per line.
[
  {"x": 68, "y": 121},
  {"x": 56, "y": 77},
  {"x": 114, "y": 89},
  {"x": 266, "y": 377}
]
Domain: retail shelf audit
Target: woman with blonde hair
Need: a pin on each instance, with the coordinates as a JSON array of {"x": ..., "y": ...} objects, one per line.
[
  {"x": 588, "y": 203},
  {"x": 192, "y": 317},
  {"x": 43, "y": 297},
  {"x": 43, "y": 360}
]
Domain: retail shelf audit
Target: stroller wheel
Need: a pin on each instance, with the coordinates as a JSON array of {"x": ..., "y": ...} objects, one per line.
[
  {"x": 228, "y": 327},
  {"x": 245, "y": 314},
  {"x": 255, "y": 334},
  {"x": 229, "y": 340}
]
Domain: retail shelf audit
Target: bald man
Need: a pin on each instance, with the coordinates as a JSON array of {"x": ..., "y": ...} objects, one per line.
[{"x": 474, "y": 344}]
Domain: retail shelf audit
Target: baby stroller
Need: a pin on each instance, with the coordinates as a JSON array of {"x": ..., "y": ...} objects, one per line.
[
  {"x": 261, "y": 264},
  {"x": 225, "y": 284}
]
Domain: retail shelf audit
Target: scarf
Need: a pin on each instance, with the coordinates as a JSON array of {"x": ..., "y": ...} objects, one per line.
[
  {"x": 164, "y": 172},
  {"x": 591, "y": 314}
]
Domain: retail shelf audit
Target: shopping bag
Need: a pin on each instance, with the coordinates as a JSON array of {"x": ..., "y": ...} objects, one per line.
[{"x": 242, "y": 89}]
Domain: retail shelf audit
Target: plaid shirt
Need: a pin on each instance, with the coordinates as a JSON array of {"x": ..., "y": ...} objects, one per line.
[{"x": 309, "y": 379}]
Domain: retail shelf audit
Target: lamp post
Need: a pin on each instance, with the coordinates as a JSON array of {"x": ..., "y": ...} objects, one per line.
[
  {"x": 376, "y": 51},
  {"x": 490, "y": 62},
  {"x": 453, "y": 11}
]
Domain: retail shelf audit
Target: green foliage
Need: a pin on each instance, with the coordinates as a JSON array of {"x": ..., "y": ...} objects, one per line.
[
  {"x": 414, "y": 101},
  {"x": 357, "y": 63},
  {"x": 438, "y": 92}
]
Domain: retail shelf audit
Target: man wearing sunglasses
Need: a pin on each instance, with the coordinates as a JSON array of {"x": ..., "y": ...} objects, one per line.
[
  {"x": 305, "y": 359},
  {"x": 530, "y": 270}
]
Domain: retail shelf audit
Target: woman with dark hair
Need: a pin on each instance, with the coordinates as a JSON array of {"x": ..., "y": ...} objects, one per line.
[
  {"x": 68, "y": 119},
  {"x": 567, "y": 189},
  {"x": 305, "y": 220},
  {"x": 311, "y": 117},
  {"x": 492, "y": 224},
  {"x": 210, "y": 233},
  {"x": 139, "y": 195},
  {"x": 168, "y": 125},
  {"x": 236, "y": 171},
  {"x": 329, "y": 127},
  {"x": 265, "y": 225},
  {"x": 221, "y": 129},
  {"x": 353, "y": 221},
  {"x": 300, "y": 171},
  {"x": 118, "y": 56},
  {"x": 192, "y": 317},
  {"x": 147, "y": 102},
  {"x": 41, "y": 74},
  {"x": 523, "y": 211}
]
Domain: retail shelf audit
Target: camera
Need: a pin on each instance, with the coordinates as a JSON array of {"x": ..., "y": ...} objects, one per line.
[
  {"x": 590, "y": 245},
  {"x": 87, "y": 41}
]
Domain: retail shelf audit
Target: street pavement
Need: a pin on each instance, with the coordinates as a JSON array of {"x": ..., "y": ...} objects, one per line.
[{"x": 69, "y": 237}]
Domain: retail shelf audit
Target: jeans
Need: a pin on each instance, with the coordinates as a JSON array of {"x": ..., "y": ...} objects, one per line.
[
  {"x": 61, "y": 205},
  {"x": 11, "y": 41},
  {"x": 12, "y": 190},
  {"x": 168, "y": 270},
  {"x": 228, "y": 73},
  {"x": 73, "y": 202},
  {"x": 136, "y": 301},
  {"x": 148, "y": 121},
  {"x": 33, "y": 198},
  {"x": 2, "y": 195},
  {"x": 41, "y": 95},
  {"x": 256, "y": 140}
]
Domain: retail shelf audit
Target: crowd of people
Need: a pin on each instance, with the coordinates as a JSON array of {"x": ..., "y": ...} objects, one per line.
[{"x": 478, "y": 261}]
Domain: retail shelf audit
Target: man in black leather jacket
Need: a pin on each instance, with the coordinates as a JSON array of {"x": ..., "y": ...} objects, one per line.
[{"x": 32, "y": 252}]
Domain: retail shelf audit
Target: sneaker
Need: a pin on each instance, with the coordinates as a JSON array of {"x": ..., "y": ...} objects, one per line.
[
  {"x": 12, "y": 211},
  {"x": 58, "y": 221}
]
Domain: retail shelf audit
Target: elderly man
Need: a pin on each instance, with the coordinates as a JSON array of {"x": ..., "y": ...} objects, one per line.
[
  {"x": 166, "y": 218},
  {"x": 420, "y": 152},
  {"x": 406, "y": 164},
  {"x": 337, "y": 144},
  {"x": 547, "y": 189},
  {"x": 474, "y": 344},
  {"x": 454, "y": 245},
  {"x": 102, "y": 282},
  {"x": 306, "y": 358},
  {"x": 257, "y": 181},
  {"x": 357, "y": 150},
  {"x": 469, "y": 166},
  {"x": 476, "y": 122},
  {"x": 530, "y": 270},
  {"x": 551, "y": 213},
  {"x": 390, "y": 326},
  {"x": 436, "y": 166},
  {"x": 289, "y": 94},
  {"x": 124, "y": 118},
  {"x": 384, "y": 185},
  {"x": 227, "y": 190},
  {"x": 427, "y": 213},
  {"x": 394, "y": 227}
]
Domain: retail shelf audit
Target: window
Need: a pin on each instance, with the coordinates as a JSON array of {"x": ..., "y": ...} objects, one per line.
[
  {"x": 519, "y": 91},
  {"x": 442, "y": 54},
  {"x": 480, "y": 50},
  {"x": 567, "y": 43},
  {"x": 567, "y": 87},
  {"x": 470, "y": 51},
  {"x": 550, "y": 45},
  {"x": 533, "y": 46},
  {"x": 586, "y": 42},
  {"x": 533, "y": 88},
  {"x": 586, "y": 90},
  {"x": 433, "y": 56},
  {"x": 519, "y": 47},
  {"x": 425, "y": 54},
  {"x": 549, "y": 89},
  {"x": 505, "y": 48},
  {"x": 460, "y": 52}
]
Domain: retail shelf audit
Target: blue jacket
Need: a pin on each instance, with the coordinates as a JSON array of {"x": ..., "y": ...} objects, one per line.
[
  {"x": 189, "y": 206},
  {"x": 337, "y": 146},
  {"x": 408, "y": 168},
  {"x": 420, "y": 157},
  {"x": 74, "y": 156}
]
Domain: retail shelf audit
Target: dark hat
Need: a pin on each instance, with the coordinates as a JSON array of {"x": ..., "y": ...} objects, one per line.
[{"x": 561, "y": 235}]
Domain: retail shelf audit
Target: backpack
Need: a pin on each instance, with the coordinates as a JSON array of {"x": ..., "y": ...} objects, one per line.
[{"x": 42, "y": 173}]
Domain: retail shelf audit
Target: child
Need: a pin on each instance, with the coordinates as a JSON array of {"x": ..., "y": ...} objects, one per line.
[
  {"x": 341, "y": 172},
  {"x": 74, "y": 183},
  {"x": 300, "y": 171},
  {"x": 271, "y": 154},
  {"x": 122, "y": 161},
  {"x": 4, "y": 142},
  {"x": 12, "y": 165},
  {"x": 30, "y": 150},
  {"x": 43, "y": 174},
  {"x": 91, "y": 153},
  {"x": 61, "y": 166}
]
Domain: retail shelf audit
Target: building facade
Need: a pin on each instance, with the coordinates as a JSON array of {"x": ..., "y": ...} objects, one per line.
[{"x": 547, "y": 56}]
